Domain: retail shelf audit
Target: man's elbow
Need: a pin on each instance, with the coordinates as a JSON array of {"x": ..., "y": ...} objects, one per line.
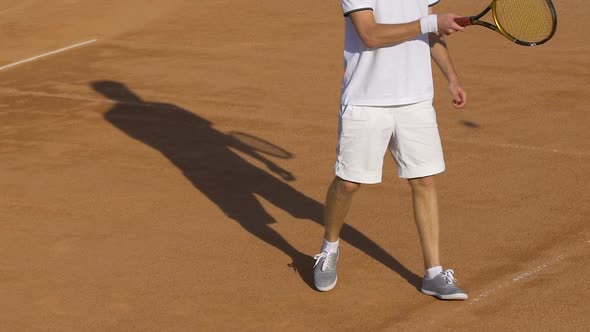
[
  {"x": 369, "y": 40},
  {"x": 371, "y": 43}
]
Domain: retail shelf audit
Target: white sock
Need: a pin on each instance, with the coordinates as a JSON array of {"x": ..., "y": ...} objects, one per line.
[
  {"x": 432, "y": 272},
  {"x": 330, "y": 246}
]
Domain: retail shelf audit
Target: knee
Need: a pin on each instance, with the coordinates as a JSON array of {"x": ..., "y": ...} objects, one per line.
[
  {"x": 346, "y": 187},
  {"x": 423, "y": 184}
]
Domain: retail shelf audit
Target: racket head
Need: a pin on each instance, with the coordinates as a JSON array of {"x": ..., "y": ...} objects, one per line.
[{"x": 527, "y": 23}]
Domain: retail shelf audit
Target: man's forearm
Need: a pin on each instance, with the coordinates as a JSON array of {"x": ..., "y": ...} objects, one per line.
[
  {"x": 440, "y": 55},
  {"x": 390, "y": 34},
  {"x": 376, "y": 35}
]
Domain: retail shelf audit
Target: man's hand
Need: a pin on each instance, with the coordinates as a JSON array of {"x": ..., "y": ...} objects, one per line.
[
  {"x": 458, "y": 93},
  {"x": 447, "y": 24}
]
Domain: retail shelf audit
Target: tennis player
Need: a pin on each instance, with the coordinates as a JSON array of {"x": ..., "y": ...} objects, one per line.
[{"x": 386, "y": 104}]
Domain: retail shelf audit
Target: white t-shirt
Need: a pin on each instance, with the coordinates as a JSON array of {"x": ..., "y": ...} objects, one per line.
[{"x": 386, "y": 76}]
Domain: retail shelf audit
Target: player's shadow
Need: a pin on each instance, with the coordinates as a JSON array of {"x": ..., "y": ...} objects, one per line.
[{"x": 205, "y": 157}]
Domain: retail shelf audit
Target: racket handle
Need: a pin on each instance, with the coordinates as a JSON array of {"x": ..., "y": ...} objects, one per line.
[{"x": 463, "y": 21}]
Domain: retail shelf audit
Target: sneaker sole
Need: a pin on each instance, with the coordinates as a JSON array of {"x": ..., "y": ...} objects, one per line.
[
  {"x": 327, "y": 288},
  {"x": 458, "y": 296}
]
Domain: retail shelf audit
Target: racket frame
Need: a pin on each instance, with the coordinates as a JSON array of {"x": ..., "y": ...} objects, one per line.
[{"x": 474, "y": 20}]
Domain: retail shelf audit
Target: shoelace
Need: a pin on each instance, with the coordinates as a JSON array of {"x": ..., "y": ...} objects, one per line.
[
  {"x": 449, "y": 276},
  {"x": 329, "y": 260}
]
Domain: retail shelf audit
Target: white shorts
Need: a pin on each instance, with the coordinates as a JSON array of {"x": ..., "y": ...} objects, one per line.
[{"x": 409, "y": 131}]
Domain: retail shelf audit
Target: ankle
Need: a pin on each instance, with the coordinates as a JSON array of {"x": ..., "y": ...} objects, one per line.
[
  {"x": 432, "y": 272},
  {"x": 328, "y": 246}
]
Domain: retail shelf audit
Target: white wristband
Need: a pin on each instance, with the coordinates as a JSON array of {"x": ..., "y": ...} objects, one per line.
[{"x": 429, "y": 24}]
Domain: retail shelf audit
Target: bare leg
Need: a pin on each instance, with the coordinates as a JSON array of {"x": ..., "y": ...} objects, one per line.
[
  {"x": 338, "y": 201},
  {"x": 425, "y": 205}
]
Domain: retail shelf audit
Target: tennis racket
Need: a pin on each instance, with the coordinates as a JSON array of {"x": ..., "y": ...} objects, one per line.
[{"x": 525, "y": 22}]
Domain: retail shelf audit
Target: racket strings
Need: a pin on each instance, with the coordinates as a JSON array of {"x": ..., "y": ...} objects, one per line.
[{"x": 525, "y": 20}]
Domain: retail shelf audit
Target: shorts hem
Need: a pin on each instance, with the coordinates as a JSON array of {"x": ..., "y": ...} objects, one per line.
[
  {"x": 358, "y": 177},
  {"x": 421, "y": 171}
]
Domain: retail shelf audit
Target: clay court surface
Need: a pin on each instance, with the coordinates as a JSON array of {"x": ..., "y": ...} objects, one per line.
[{"x": 171, "y": 175}]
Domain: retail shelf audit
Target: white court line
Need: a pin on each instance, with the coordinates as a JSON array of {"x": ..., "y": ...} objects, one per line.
[
  {"x": 520, "y": 147},
  {"x": 523, "y": 276},
  {"x": 48, "y": 54}
]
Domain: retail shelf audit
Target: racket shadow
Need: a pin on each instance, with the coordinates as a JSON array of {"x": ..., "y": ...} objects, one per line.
[
  {"x": 206, "y": 158},
  {"x": 260, "y": 145}
]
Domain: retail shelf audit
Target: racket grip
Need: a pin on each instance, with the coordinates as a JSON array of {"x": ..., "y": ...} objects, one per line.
[{"x": 463, "y": 21}]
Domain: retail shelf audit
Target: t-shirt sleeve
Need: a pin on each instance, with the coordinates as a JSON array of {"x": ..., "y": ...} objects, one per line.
[
  {"x": 432, "y": 2},
  {"x": 351, "y": 6}
]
